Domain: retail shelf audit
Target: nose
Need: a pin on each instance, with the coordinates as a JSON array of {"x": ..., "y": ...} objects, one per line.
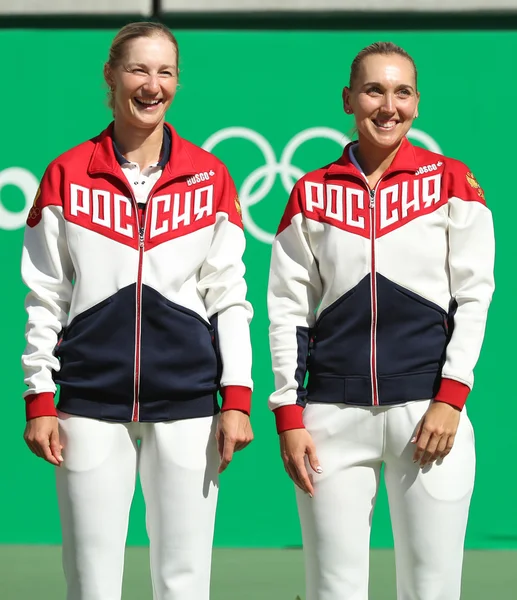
[
  {"x": 152, "y": 85},
  {"x": 388, "y": 102}
]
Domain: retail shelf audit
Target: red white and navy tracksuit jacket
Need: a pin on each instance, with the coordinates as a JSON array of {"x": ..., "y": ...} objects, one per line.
[
  {"x": 380, "y": 295},
  {"x": 136, "y": 312}
]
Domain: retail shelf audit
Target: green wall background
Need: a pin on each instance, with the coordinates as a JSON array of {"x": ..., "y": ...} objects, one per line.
[{"x": 276, "y": 84}]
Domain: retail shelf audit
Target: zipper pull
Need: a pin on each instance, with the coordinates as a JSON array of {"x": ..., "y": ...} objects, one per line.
[
  {"x": 141, "y": 236},
  {"x": 372, "y": 198}
]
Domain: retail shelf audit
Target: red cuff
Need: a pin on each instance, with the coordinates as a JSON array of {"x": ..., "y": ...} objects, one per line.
[
  {"x": 289, "y": 417},
  {"x": 453, "y": 392},
  {"x": 236, "y": 397},
  {"x": 40, "y": 405}
]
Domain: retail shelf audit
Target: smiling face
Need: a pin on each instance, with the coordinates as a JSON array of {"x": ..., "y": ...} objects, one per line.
[
  {"x": 383, "y": 99},
  {"x": 144, "y": 82}
]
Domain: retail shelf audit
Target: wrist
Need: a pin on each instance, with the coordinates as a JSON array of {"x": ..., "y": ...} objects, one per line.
[{"x": 289, "y": 417}]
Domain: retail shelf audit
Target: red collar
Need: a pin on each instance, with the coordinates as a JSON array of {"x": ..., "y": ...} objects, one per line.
[
  {"x": 405, "y": 160},
  {"x": 104, "y": 161}
]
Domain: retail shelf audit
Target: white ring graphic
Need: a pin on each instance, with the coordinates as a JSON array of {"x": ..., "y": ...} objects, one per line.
[
  {"x": 289, "y": 173},
  {"x": 425, "y": 139},
  {"x": 28, "y": 184}
]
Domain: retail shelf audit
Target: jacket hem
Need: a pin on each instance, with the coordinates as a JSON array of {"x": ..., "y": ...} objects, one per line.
[
  {"x": 156, "y": 411},
  {"x": 357, "y": 390}
]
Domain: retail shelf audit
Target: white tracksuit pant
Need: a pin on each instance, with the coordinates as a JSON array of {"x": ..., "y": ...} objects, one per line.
[
  {"x": 177, "y": 462},
  {"x": 429, "y": 507}
]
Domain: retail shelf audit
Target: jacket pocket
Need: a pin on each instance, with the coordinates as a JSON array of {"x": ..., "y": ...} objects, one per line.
[
  {"x": 178, "y": 354},
  {"x": 97, "y": 349}
]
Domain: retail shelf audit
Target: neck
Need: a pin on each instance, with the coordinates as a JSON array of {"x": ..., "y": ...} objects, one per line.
[
  {"x": 142, "y": 146},
  {"x": 374, "y": 160}
]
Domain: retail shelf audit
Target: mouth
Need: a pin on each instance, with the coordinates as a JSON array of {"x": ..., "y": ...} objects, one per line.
[
  {"x": 385, "y": 125},
  {"x": 148, "y": 105}
]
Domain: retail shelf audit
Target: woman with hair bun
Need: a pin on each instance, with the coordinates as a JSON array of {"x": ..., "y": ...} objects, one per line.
[{"x": 381, "y": 279}]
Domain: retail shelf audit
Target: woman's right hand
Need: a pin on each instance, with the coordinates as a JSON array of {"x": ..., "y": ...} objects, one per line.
[
  {"x": 42, "y": 437},
  {"x": 294, "y": 445}
]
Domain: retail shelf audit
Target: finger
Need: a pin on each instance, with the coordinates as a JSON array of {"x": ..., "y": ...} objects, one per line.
[
  {"x": 219, "y": 436},
  {"x": 227, "y": 454},
  {"x": 313, "y": 459},
  {"x": 242, "y": 445},
  {"x": 244, "y": 440},
  {"x": 421, "y": 444},
  {"x": 429, "y": 454},
  {"x": 418, "y": 431},
  {"x": 303, "y": 477},
  {"x": 448, "y": 446},
  {"x": 32, "y": 447},
  {"x": 442, "y": 446},
  {"x": 45, "y": 453},
  {"x": 293, "y": 474},
  {"x": 55, "y": 446},
  {"x": 35, "y": 448}
]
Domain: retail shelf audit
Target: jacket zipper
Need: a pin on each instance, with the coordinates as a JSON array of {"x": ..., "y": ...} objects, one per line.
[
  {"x": 373, "y": 287},
  {"x": 141, "y": 220}
]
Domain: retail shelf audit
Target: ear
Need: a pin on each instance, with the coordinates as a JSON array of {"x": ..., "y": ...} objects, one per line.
[
  {"x": 417, "y": 103},
  {"x": 347, "y": 107},
  {"x": 108, "y": 75}
]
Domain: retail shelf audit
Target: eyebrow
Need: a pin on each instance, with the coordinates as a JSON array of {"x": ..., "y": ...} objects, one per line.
[
  {"x": 145, "y": 66},
  {"x": 401, "y": 85}
]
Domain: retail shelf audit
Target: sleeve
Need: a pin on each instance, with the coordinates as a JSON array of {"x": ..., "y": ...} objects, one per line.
[
  {"x": 48, "y": 273},
  {"x": 471, "y": 266},
  {"x": 223, "y": 288},
  {"x": 294, "y": 292}
]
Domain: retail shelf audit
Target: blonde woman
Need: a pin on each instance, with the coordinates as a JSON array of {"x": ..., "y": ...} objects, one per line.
[
  {"x": 137, "y": 310},
  {"x": 381, "y": 279}
]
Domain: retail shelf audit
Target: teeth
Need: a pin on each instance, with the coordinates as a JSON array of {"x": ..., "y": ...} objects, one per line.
[
  {"x": 148, "y": 102},
  {"x": 385, "y": 124}
]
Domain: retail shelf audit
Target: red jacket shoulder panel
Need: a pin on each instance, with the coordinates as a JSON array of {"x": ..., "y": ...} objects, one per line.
[{"x": 462, "y": 183}]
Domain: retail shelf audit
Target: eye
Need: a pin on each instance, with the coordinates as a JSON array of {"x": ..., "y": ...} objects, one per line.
[
  {"x": 166, "y": 73},
  {"x": 405, "y": 92},
  {"x": 137, "y": 70},
  {"x": 374, "y": 90}
]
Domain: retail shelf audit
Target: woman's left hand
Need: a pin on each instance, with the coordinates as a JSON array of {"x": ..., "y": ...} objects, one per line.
[
  {"x": 233, "y": 434},
  {"x": 435, "y": 433}
]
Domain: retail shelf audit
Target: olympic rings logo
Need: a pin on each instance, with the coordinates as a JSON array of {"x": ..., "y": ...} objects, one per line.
[{"x": 250, "y": 195}]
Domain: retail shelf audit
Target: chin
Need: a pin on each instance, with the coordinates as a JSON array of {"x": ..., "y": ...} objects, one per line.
[
  {"x": 389, "y": 143},
  {"x": 385, "y": 141},
  {"x": 148, "y": 123}
]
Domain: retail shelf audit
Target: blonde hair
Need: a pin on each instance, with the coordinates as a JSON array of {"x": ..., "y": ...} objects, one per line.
[
  {"x": 384, "y": 48},
  {"x": 130, "y": 32}
]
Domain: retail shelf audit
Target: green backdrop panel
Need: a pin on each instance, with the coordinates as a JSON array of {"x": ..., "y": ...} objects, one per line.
[{"x": 269, "y": 104}]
